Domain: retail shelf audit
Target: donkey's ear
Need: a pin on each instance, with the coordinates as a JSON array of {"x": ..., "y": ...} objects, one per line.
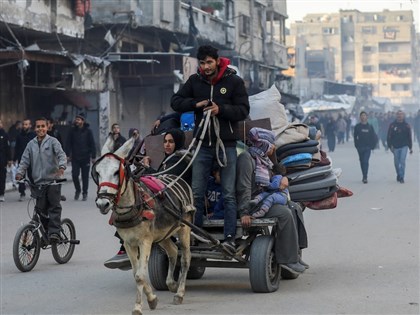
[
  {"x": 122, "y": 152},
  {"x": 108, "y": 145}
]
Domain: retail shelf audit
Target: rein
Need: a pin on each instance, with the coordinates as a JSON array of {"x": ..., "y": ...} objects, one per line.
[
  {"x": 122, "y": 180},
  {"x": 205, "y": 125}
]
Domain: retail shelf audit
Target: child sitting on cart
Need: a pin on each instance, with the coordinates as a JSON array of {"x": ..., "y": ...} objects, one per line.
[{"x": 275, "y": 193}]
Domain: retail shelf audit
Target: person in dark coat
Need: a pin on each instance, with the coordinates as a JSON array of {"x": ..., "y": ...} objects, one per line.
[
  {"x": 399, "y": 142},
  {"x": 118, "y": 139},
  {"x": 22, "y": 139},
  {"x": 364, "y": 141},
  {"x": 5, "y": 159},
  {"x": 53, "y": 131},
  {"x": 13, "y": 132},
  {"x": 330, "y": 133},
  {"x": 215, "y": 90},
  {"x": 81, "y": 151}
]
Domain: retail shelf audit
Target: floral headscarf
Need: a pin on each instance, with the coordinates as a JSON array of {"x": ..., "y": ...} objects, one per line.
[{"x": 261, "y": 141}]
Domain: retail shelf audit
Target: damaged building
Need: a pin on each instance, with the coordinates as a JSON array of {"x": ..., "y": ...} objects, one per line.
[{"x": 121, "y": 61}]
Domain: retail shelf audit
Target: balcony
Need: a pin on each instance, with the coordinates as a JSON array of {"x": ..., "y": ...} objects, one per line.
[
  {"x": 211, "y": 27},
  {"x": 394, "y": 57},
  {"x": 276, "y": 55}
]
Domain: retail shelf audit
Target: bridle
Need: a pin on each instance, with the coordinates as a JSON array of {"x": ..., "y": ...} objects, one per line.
[{"x": 122, "y": 179}]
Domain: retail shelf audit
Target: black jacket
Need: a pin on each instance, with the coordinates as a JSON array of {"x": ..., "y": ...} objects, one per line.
[
  {"x": 4, "y": 148},
  {"x": 22, "y": 140},
  {"x": 229, "y": 94},
  {"x": 80, "y": 144},
  {"x": 364, "y": 136},
  {"x": 56, "y": 134},
  {"x": 169, "y": 161},
  {"x": 399, "y": 135}
]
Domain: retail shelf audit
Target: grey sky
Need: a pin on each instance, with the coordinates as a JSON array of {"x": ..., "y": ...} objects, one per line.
[{"x": 297, "y": 9}]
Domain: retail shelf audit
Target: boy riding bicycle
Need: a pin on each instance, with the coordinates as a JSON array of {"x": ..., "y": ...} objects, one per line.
[{"x": 45, "y": 159}]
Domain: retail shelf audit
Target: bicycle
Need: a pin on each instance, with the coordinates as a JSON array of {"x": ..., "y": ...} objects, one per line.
[{"x": 31, "y": 237}]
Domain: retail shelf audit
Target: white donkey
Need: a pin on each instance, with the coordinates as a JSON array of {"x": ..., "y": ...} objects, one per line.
[{"x": 143, "y": 217}]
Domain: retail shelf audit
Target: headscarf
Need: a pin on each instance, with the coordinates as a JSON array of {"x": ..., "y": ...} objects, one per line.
[
  {"x": 261, "y": 140},
  {"x": 179, "y": 138}
]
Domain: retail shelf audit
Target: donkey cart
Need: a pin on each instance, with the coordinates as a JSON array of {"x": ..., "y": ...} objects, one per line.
[{"x": 255, "y": 252}]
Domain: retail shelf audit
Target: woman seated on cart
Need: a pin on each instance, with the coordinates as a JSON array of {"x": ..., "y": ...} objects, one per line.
[{"x": 255, "y": 163}]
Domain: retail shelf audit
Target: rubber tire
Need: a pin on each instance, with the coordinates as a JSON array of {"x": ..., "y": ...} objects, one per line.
[
  {"x": 158, "y": 268},
  {"x": 196, "y": 272},
  {"x": 62, "y": 252},
  {"x": 17, "y": 246},
  {"x": 264, "y": 271}
]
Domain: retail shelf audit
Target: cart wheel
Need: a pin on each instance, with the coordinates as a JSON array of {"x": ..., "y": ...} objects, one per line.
[
  {"x": 196, "y": 272},
  {"x": 158, "y": 268},
  {"x": 63, "y": 250},
  {"x": 264, "y": 271},
  {"x": 26, "y": 247}
]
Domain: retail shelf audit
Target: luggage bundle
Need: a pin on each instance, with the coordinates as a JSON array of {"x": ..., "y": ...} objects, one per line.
[{"x": 312, "y": 179}]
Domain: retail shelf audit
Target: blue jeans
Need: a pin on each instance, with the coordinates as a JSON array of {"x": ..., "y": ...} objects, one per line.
[
  {"x": 201, "y": 170},
  {"x": 364, "y": 155},
  {"x": 400, "y": 155}
]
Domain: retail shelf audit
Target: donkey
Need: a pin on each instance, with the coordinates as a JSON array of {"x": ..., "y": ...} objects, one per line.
[{"x": 143, "y": 218}]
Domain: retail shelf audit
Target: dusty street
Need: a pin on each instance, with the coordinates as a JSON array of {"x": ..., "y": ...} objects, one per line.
[{"x": 363, "y": 256}]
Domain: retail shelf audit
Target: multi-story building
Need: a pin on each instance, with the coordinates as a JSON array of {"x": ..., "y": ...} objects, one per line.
[
  {"x": 375, "y": 48},
  {"x": 143, "y": 51},
  {"x": 156, "y": 41}
]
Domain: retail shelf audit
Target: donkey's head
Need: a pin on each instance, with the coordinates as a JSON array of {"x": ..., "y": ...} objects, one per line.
[{"x": 109, "y": 173}]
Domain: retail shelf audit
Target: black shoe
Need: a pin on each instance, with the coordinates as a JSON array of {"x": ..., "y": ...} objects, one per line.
[
  {"x": 120, "y": 260},
  {"x": 364, "y": 181},
  {"x": 77, "y": 195},
  {"x": 402, "y": 180},
  {"x": 398, "y": 179},
  {"x": 229, "y": 244},
  {"x": 295, "y": 268},
  {"x": 84, "y": 197},
  {"x": 54, "y": 238}
]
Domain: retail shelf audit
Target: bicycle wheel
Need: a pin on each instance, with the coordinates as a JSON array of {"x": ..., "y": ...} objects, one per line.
[
  {"x": 26, "y": 247},
  {"x": 63, "y": 250}
]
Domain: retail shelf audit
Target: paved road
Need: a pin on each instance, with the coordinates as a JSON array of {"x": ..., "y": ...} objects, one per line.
[{"x": 364, "y": 258}]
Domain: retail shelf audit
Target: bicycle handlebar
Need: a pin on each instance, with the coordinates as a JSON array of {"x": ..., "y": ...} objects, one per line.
[{"x": 56, "y": 181}]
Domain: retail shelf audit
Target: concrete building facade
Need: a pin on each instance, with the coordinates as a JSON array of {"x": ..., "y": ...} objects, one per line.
[
  {"x": 121, "y": 61},
  {"x": 374, "y": 48}
]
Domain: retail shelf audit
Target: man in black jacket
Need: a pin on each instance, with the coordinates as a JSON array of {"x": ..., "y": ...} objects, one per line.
[
  {"x": 364, "y": 141},
  {"x": 399, "y": 142},
  {"x": 5, "y": 159},
  {"x": 22, "y": 139},
  {"x": 81, "y": 151},
  {"x": 215, "y": 90}
]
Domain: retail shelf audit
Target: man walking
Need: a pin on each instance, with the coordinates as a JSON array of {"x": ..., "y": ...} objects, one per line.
[
  {"x": 215, "y": 90},
  {"x": 22, "y": 140},
  {"x": 364, "y": 141},
  {"x": 399, "y": 142},
  {"x": 5, "y": 159},
  {"x": 80, "y": 149}
]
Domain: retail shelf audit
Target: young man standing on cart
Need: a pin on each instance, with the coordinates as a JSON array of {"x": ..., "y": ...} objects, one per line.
[
  {"x": 215, "y": 89},
  {"x": 45, "y": 159}
]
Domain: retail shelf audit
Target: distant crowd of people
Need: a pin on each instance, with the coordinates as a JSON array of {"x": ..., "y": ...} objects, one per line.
[
  {"x": 392, "y": 130},
  {"x": 337, "y": 129}
]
